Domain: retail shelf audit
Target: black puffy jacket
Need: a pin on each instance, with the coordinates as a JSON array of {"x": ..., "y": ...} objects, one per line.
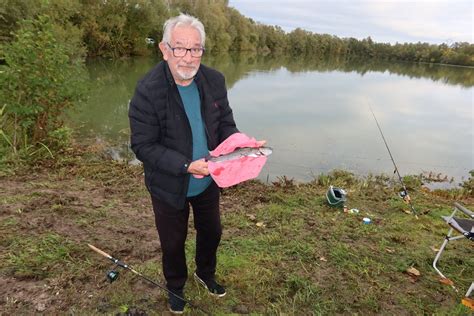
[{"x": 160, "y": 132}]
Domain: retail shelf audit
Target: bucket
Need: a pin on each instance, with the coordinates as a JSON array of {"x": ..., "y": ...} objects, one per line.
[{"x": 336, "y": 196}]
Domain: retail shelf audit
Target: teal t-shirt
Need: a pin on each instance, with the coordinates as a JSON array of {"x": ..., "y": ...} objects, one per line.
[{"x": 192, "y": 105}]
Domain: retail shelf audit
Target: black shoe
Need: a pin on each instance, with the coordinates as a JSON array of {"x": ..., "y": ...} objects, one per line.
[
  {"x": 175, "y": 304},
  {"x": 212, "y": 286}
]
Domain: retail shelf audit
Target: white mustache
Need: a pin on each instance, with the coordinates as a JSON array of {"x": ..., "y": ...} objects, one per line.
[{"x": 188, "y": 66}]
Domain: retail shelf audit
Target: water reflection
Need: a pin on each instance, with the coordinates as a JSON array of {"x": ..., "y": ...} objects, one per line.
[
  {"x": 315, "y": 114},
  {"x": 325, "y": 122},
  {"x": 238, "y": 65}
]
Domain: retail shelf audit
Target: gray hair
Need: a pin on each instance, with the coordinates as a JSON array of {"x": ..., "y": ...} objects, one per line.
[{"x": 183, "y": 20}]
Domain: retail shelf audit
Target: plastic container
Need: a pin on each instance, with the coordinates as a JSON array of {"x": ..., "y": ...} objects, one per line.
[
  {"x": 366, "y": 220},
  {"x": 353, "y": 211}
]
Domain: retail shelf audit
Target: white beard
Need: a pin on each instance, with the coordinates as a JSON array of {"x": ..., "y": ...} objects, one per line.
[{"x": 187, "y": 75}]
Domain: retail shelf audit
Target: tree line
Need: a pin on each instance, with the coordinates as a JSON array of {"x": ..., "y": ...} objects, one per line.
[{"x": 118, "y": 28}]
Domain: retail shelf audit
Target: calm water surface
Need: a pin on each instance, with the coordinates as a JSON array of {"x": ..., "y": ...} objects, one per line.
[{"x": 315, "y": 114}]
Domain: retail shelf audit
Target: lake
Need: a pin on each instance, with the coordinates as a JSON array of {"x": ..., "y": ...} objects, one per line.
[{"x": 315, "y": 114}]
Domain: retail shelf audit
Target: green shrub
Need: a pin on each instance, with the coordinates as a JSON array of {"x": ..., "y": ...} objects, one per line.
[
  {"x": 43, "y": 76},
  {"x": 468, "y": 185}
]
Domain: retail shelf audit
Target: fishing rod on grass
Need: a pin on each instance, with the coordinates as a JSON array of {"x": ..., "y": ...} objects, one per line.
[
  {"x": 113, "y": 275},
  {"x": 404, "y": 194}
]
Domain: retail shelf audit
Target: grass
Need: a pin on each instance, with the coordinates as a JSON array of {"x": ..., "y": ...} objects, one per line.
[
  {"x": 38, "y": 257},
  {"x": 283, "y": 250}
]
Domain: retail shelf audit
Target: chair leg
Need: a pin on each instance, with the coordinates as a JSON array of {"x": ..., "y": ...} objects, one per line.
[
  {"x": 471, "y": 288},
  {"x": 438, "y": 255}
]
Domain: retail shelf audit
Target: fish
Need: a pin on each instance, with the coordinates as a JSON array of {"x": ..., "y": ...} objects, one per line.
[{"x": 242, "y": 152}]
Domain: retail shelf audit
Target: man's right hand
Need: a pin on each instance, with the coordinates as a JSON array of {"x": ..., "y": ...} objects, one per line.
[{"x": 198, "y": 168}]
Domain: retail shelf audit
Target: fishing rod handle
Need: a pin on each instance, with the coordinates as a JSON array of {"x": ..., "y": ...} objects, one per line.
[{"x": 101, "y": 252}]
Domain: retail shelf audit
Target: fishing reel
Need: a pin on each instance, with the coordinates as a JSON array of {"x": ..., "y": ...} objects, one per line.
[
  {"x": 404, "y": 195},
  {"x": 112, "y": 274}
]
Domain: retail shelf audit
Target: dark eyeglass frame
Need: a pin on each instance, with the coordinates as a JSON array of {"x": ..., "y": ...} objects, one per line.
[{"x": 195, "y": 52}]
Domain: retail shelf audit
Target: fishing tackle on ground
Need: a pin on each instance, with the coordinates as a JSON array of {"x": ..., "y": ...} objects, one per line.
[
  {"x": 404, "y": 194},
  {"x": 113, "y": 274}
]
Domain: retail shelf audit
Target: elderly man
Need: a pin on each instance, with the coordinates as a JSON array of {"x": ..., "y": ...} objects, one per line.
[{"x": 178, "y": 113}]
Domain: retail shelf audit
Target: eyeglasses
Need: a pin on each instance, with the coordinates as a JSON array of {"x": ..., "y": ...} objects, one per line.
[{"x": 182, "y": 51}]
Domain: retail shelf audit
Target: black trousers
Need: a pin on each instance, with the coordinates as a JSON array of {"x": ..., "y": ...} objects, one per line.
[{"x": 172, "y": 226}]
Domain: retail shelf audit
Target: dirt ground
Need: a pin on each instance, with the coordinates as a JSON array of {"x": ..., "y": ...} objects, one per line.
[
  {"x": 81, "y": 212},
  {"x": 102, "y": 203}
]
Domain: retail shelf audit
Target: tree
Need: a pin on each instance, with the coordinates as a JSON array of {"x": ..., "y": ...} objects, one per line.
[
  {"x": 11, "y": 12},
  {"x": 297, "y": 40},
  {"x": 117, "y": 28},
  {"x": 42, "y": 77}
]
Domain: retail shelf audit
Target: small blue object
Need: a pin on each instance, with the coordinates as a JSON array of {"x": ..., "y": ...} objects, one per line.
[{"x": 366, "y": 220}]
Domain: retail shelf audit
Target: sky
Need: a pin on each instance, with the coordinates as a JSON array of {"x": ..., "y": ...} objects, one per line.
[{"x": 387, "y": 21}]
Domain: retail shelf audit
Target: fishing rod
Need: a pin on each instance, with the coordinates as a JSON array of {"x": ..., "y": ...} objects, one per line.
[
  {"x": 113, "y": 274},
  {"x": 404, "y": 194}
]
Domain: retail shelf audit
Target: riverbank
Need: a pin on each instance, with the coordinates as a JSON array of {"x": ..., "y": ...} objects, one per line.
[{"x": 284, "y": 250}]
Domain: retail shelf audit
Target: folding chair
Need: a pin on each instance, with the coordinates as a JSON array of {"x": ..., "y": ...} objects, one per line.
[{"x": 465, "y": 227}]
